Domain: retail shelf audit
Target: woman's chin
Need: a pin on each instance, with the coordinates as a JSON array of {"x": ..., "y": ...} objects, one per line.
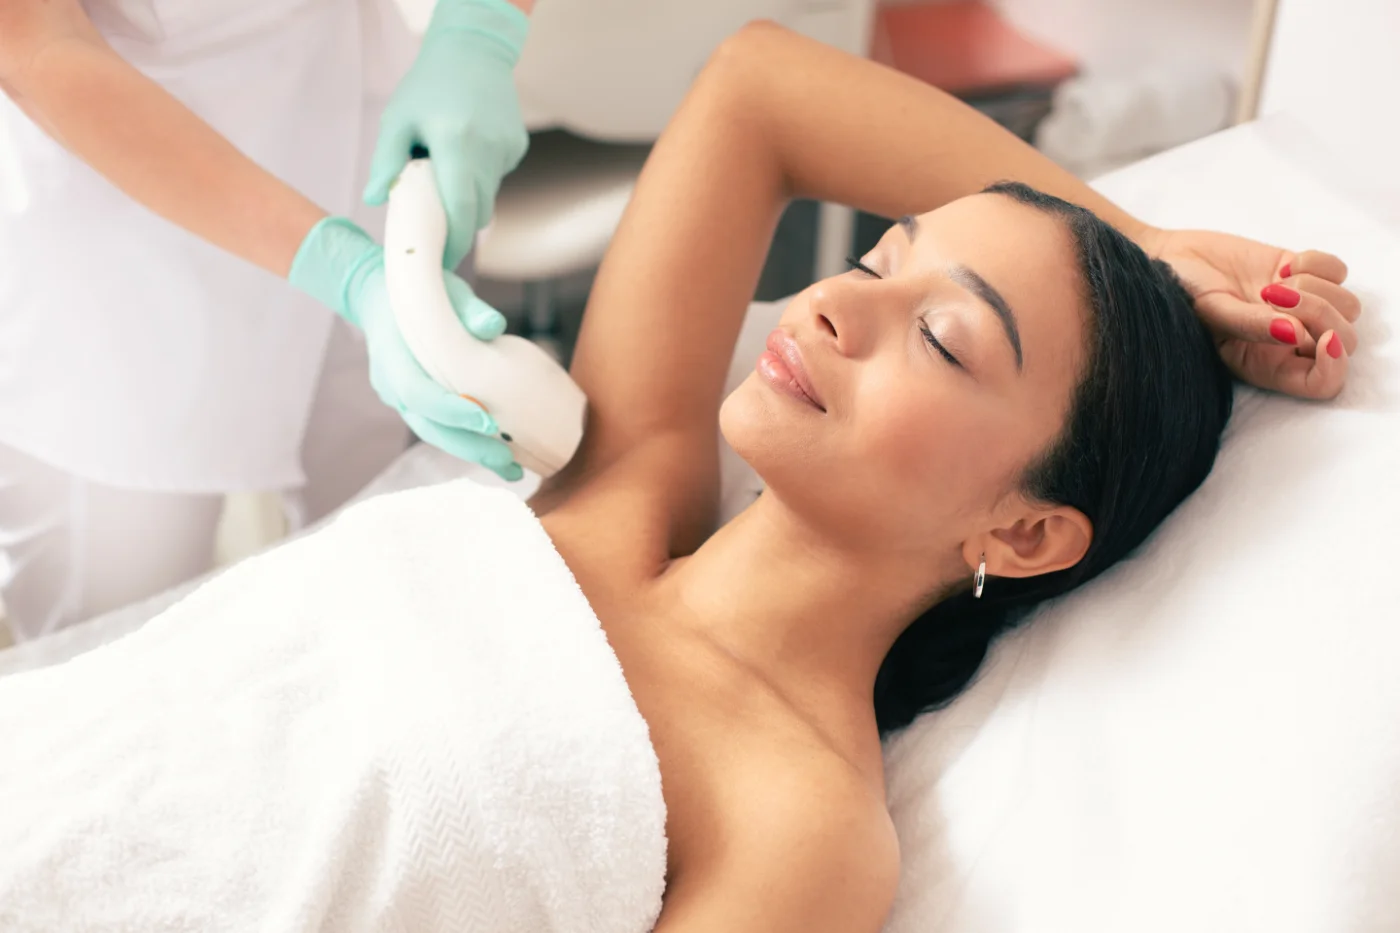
[
  {"x": 762, "y": 430},
  {"x": 752, "y": 425},
  {"x": 796, "y": 466}
]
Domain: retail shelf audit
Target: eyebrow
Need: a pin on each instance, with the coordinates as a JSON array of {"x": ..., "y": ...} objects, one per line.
[{"x": 983, "y": 289}]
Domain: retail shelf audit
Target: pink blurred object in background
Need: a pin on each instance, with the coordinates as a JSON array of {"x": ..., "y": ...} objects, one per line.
[{"x": 965, "y": 48}]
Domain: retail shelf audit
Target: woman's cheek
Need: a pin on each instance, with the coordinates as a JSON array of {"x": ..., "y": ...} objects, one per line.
[
  {"x": 910, "y": 432},
  {"x": 941, "y": 445}
]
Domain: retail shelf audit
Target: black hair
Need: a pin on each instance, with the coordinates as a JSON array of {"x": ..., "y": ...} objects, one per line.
[{"x": 1142, "y": 433}]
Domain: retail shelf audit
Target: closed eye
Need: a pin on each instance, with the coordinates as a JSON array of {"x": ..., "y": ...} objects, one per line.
[
  {"x": 933, "y": 342},
  {"x": 855, "y": 263}
]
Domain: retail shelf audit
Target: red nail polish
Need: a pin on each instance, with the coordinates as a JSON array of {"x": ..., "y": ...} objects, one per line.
[
  {"x": 1280, "y": 295},
  {"x": 1334, "y": 347},
  {"x": 1286, "y": 271},
  {"x": 1282, "y": 331}
]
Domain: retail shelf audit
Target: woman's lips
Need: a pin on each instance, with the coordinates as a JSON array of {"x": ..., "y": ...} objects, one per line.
[{"x": 782, "y": 368}]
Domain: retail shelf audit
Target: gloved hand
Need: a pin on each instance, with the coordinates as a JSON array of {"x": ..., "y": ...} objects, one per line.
[
  {"x": 458, "y": 101},
  {"x": 342, "y": 267}
]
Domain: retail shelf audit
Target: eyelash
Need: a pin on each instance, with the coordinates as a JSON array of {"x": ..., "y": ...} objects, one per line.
[
  {"x": 933, "y": 342},
  {"x": 855, "y": 263}
]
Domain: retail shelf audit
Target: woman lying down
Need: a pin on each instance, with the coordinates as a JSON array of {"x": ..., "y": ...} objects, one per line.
[{"x": 417, "y": 720}]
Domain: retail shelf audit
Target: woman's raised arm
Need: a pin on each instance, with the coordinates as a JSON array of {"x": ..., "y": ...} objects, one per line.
[
  {"x": 773, "y": 116},
  {"x": 776, "y": 116}
]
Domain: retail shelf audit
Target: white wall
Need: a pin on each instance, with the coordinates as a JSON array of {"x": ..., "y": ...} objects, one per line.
[
  {"x": 1334, "y": 65},
  {"x": 1334, "y": 72},
  {"x": 1120, "y": 35}
]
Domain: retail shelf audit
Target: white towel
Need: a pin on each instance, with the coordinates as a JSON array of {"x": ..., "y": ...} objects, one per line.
[{"x": 408, "y": 721}]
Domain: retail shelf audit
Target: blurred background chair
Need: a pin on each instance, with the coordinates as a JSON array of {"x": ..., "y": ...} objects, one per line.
[{"x": 554, "y": 218}]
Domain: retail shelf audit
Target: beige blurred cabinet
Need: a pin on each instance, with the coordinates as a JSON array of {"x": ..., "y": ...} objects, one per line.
[{"x": 615, "y": 70}]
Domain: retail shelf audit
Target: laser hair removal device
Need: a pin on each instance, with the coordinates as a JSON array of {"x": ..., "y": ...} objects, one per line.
[{"x": 539, "y": 409}]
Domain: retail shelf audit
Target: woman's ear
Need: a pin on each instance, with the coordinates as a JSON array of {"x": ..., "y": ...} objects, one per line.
[{"x": 1043, "y": 541}]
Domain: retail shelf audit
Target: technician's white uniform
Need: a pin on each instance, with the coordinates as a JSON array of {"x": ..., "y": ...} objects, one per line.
[{"x": 143, "y": 373}]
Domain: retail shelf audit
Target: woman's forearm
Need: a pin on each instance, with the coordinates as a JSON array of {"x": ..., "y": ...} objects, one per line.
[
  {"x": 828, "y": 116},
  {"x": 159, "y": 152}
]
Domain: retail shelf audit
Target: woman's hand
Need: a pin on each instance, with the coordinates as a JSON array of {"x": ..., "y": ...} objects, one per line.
[{"x": 1282, "y": 320}]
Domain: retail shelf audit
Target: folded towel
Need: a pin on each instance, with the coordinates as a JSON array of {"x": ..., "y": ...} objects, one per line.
[{"x": 408, "y": 721}]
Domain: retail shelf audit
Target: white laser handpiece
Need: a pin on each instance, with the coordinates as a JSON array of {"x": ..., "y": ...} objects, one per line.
[{"x": 539, "y": 409}]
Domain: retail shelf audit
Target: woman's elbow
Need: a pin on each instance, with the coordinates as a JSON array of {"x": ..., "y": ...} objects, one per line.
[
  {"x": 740, "y": 66},
  {"x": 747, "y": 48}
]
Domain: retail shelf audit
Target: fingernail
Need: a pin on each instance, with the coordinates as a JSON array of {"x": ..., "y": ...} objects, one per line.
[
  {"x": 1286, "y": 271},
  {"x": 1282, "y": 330},
  {"x": 1334, "y": 347},
  {"x": 1280, "y": 295}
]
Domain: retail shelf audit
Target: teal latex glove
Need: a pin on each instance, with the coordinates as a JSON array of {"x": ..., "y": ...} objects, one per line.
[
  {"x": 342, "y": 267},
  {"x": 458, "y": 101}
]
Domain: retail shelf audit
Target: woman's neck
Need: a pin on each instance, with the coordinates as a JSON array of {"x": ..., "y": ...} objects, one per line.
[{"x": 812, "y": 618}]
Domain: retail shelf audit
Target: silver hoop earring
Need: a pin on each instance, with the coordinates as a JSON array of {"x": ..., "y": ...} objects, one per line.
[{"x": 980, "y": 581}]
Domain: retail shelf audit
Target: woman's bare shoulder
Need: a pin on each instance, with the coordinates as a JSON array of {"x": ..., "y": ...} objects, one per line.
[
  {"x": 818, "y": 798},
  {"x": 801, "y": 841}
]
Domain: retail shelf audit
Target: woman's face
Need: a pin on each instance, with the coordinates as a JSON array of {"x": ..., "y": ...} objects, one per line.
[{"x": 900, "y": 412}]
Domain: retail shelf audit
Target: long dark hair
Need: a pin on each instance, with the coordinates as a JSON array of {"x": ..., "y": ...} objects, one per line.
[{"x": 1142, "y": 433}]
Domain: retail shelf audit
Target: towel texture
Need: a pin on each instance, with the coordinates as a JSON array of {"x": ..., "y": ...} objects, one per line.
[{"x": 408, "y": 721}]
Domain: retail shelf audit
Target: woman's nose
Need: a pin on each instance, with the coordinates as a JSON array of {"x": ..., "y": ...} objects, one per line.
[{"x": 845, "y": 313}]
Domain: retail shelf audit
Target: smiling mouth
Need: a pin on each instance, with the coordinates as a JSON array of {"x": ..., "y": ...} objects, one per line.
[{"x": 781, "y": 366}]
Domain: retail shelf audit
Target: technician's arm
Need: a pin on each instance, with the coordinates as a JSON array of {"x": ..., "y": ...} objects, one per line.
[{"x": 56, "y": 66}]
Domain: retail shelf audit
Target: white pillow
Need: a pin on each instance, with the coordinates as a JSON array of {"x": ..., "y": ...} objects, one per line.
[{"x": 1207, "y": 738}]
